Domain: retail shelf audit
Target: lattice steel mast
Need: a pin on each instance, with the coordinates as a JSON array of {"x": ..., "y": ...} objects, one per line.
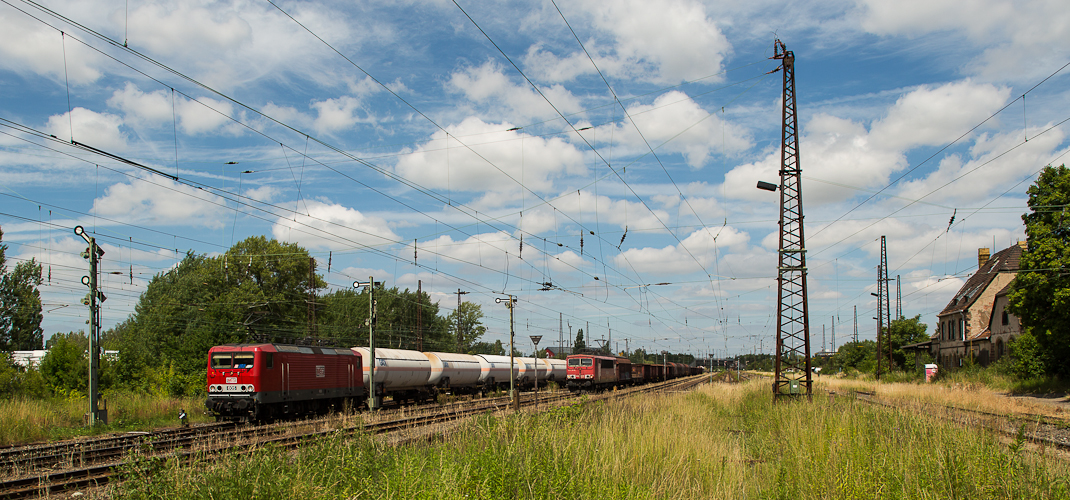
[
  {"x": 884, "y": 313},
  {"x": 793, "y": 320}
]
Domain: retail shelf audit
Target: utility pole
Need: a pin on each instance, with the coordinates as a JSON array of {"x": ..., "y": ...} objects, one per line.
[
  {"x": 609, "y": 344},
  {"x": 884, "y": 313},
  {"x": 560, "y": 331},
  {"x": 898, "y": 298},
  {"x": 793, "y": 377},
  {"x": 460, "y": 338},
  {"x": 419, "y": 315},
  {"x": 856, "y": 324},
  {"x": 513, "y": 395},
  {"x": 832, "y": 348},
  {"x": 311, "y": 297},
  {"x": 373, "y": 397},
  {"x": 93, "y": 300},
  {"x": 880, "y": 320}
]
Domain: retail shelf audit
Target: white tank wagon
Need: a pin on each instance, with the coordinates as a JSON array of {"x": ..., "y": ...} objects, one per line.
[
  {"x": 456, "y": 372},
  {"x": 525, "y": 371},
  {"x": 557, "y": 371},
  {"x": 399, "y": 373},
  {"x": 494, "y": 370}
]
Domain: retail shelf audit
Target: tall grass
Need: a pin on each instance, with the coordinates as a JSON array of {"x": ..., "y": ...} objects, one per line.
[
  {"x": 24, "y": 420},
  {"x": 721, "y": 441}
]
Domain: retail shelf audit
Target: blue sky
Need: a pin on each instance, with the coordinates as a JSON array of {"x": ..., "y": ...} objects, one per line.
[{"x": 361, "y": 129}]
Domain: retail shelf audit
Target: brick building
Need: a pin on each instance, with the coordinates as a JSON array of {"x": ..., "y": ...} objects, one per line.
[{"x": 976, "y": 324}]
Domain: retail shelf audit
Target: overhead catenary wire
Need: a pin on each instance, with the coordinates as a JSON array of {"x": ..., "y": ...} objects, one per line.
[
  {"x": 481, "y": 217},
  {"x": 190, "y": 96}
]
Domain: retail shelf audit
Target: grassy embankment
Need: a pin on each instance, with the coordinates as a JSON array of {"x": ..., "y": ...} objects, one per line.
[
  {"x": 24, "y": 420},
  {"x": 720, "y": 441}
]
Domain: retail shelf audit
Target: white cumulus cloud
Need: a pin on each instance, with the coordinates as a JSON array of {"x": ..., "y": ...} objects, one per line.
[
  {"x": 333, "y": 226},
  {"x": 654, "y": 41},
  {"x": 495, "y": 159},
  {"x": 695, "y": 253},
  {"x": 159, "y": 200},
  {"x": 100, "y": 130}
]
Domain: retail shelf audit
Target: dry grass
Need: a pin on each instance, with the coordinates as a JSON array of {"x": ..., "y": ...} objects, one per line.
[{"x": 970, "y": 396}]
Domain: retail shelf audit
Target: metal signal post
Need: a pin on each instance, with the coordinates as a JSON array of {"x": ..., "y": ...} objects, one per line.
[
  {"x": 793, "y": 322},
  {"x": 513, "y": 395},
  {"x": 373, "y": 398},
  {"x": 93, "y": 300}
]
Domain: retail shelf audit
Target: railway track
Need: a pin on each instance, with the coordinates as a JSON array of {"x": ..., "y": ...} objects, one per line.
[
  {"x": 47, "y": 469},
  {"x": 1040, "y": 430}
]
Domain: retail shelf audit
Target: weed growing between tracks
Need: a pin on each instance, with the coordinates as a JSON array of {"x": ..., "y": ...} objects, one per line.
[{"x": 719, "y": 441}]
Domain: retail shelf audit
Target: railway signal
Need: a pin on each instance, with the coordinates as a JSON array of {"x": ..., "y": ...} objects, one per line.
[
  {"x": 370, "y": 285},
  {"x": 93, "y": 300}
]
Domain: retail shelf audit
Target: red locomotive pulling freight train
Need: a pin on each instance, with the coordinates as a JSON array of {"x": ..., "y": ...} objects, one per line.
[
  {"x": 596, "y": 372},
  {"x": 268, "y": 381},
  {"x": 264, "y": 382}
]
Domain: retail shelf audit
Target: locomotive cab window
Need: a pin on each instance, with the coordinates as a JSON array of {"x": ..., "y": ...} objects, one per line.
[
  {"x": 607, "y": 363},
  {"x": 574, "y": 362},
  {"x": 586, "y": 362},
  {"x": 221, "y": 361},
  {"x": 269, "y": 360},
  {"x": 243, "y": 360}
]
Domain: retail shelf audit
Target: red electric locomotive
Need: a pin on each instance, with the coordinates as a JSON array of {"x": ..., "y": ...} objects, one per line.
[
  {"x": 597, "y": 372},
  {"x": 262, "y": 382}
]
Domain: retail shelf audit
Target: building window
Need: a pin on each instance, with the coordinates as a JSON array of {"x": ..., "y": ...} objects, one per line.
[{"x": 1006, "y": 318}]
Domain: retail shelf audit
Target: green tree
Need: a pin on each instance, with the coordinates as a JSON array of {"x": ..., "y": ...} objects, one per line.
[
  {"x": 20, "y": 304},
  {"x": 343, "y": 315},
  {"x": 258, "y": 290},
  {"x": 496, "y": 348},
  {"x": 1040, "y": 293},
  {"x": 465, "y": 326},
  {"x": 18, "y": 381},
  {"x": 5, "y": 318},
  {"x": 861, "y": 356},
  {"x": 903, "y": 332},
  {"x": 580, "y": 344},
  {"x": 66, "y": 367},
  {"x": 1026, "y": 359}
]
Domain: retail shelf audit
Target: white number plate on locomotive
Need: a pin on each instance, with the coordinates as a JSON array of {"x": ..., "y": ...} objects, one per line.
[{"x": 231, "y": 388}]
